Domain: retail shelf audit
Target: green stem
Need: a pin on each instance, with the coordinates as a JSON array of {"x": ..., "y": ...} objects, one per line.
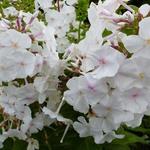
[
  {"x": 79, "y": 32},
  {"x": 46, "y": 141}
]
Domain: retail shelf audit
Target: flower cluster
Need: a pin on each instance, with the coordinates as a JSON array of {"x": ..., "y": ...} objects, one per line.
[{"x": 105, "y": 77}]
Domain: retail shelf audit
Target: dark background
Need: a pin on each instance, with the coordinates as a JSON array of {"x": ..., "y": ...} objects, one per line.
[
  {"x": 134, "y": 2},
  {"x": 139, "y": 2}
]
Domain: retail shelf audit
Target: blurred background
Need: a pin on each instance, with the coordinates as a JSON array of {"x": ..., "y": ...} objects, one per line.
[
  {"x": 133, "y": 2},
  {"x": 139, "y": 2}
]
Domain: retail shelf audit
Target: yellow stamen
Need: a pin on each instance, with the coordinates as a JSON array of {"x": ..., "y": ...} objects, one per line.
[{"x": 141, "y": 75}]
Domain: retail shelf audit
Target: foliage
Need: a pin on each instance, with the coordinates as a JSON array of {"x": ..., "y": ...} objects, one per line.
[{"x": 49, "y": 138}]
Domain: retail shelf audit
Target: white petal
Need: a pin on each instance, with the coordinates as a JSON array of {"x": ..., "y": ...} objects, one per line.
[
  {"x": 144, "y": 31},
  {"x": 133, "y": 43},
  {"x": 144, "y": 10}
]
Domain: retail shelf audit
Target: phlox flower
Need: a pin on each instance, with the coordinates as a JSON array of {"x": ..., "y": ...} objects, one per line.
[
  {"x": 135, "y": 100},
  {"x": 144, "y": 10},
  {"x": 84, "y": 91},
  {"x": 12, "y": 68},
  {"x": 103, "y": 62},
  {"x": 32, "y": 144},
  {"x": 110, "y": 114},
  {"x": 21, "y": 41},
  {"x": 134, "y": 72},
  {"x": 139, "y": 44},
  {"x": 92, "y": 128}
]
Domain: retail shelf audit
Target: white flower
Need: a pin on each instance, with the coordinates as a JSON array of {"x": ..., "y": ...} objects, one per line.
[
  {"x": 18, "y": 64},
  {"x": 44, "y": 4},
  {"x": 15, "y": 100},
  {"x": 144, "y": 10},
  {"x": 32, "y": 144},
  {"x": 52, "y": 64},
  {"x": 10, "y": 11},
  {"x": 21, "y": 41},
  {"x": 69, "y": 12},
  {"x": 2, "y": 139},
  {"x": 22, "y": 112},
  {"x": 38, "y": 64},
  {"x": 10, "y": 104},
  {"x": 41, "y": 84},
  {"x": 39, "y": 61},
  {"x": 84, "y": 91},
  {"x": 135, "y": 100},
  {"x": 133, "y": 43},
  {"x": 49, "y": 38},
  {"x": 139, "y": 44},
  {"x": 47, "y": 86},
  {"x": 112, "y": 6},
  {"x": 104, "y": 15},
  {"x": 136, "y": 122},
  {"x": 15, "y": 133},
  {"x": 108, "y": 137},
  {"x": 82, "y": 127},
  {"x": 134, "y": 73},
  {"x": 71, "y": 2},
  {"x": 92, "y": 41},
  {"x": 62, "y": 44},
  {"x": 104, "y": 62},
  {"x": 54, "y": 18},
  {"x": 44, "y": 33},
  {"x": 4, "y": 25},
  {"x": 32, "y": 125},
  {"x": 55, "y": 116},
  {"x": 58, "y": 21},
  {"x": 111, "y": 114},
  {"x": 92, "y": 128},
  {"x": 26, "y": 94}
]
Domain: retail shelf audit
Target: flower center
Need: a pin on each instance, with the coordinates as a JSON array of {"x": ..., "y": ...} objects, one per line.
[
  {"x": 141, "y": 75},
  {"x": 148, "y": 42},
  {"x": 102, "y": 61},
  {"x": 135, "y": 95},
  {"x": 109, "y": 109},
  {"x": 92, "y": 88},
  {"x": 14, "y": 45}
]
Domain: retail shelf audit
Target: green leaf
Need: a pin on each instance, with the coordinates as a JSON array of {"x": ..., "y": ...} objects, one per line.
[
  {"x": 129, "y": 138},
  {"x": 19, "y": 145},
  {"x": 8, "y": 144},
  {"x": 88, "y": 144},
  {"x": 140, "y": 129},
  {"x": 81, "y": 10},
  {"x": 116, "y": 147}
]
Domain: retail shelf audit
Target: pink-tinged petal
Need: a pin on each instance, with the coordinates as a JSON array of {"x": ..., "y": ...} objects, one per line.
[
  {"x": 133, "y": 43},
  {"x": 144, "y": 31}
]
